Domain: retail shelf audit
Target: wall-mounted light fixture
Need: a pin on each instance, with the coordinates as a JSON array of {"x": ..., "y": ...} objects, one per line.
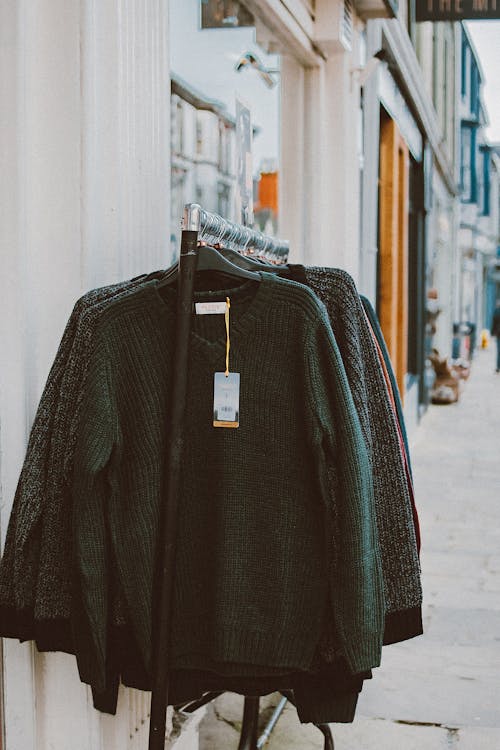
[{"x": 250, "y": 60}]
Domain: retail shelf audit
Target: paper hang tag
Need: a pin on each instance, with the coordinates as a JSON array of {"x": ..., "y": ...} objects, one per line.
[
  {"x": 210, "y": 308},
  {"x": 226, "y": 399}
]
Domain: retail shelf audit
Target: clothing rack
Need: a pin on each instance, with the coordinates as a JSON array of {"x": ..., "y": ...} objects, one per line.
[
  {"x": 199, "y": 226},
  {"x": 213, "y": 229}
]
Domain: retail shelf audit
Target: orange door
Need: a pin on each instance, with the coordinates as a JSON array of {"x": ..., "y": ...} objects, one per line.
[{"x": 393, "y": 245}]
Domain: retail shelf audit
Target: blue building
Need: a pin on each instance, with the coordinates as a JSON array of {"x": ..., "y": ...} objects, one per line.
[{"x": 479, "y": 210}]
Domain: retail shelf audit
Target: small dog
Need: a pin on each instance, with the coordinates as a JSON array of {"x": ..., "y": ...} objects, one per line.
[{"x": 446, "y": 388}]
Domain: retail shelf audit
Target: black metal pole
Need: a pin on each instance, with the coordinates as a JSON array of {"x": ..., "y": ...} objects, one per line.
[
  {"x": 249, "y": 727},
  {"x": 327, "y": 734},
  {"x": 159, "y": 698}
]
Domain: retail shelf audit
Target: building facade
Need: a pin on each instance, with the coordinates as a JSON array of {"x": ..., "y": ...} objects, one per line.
[
  {"x": 479, "y": 224},
  {"x": 202, "y": 144},
  {"x": 410, "y": 190},
  {"x": 104, "y": 139}
]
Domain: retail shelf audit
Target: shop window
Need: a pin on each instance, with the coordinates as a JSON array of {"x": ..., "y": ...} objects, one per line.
[
  {"x": 474, "y": 89},
  {"x": 486, "y": 160},
  {"x": 470, "y": 78},
  {"x": 225, "y": 135},
  {"x": 468, "y": 178},
  {"x": 465, "y": 65}
]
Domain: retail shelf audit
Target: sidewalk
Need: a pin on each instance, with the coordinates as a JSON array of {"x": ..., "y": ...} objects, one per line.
[{"x": 441, "y": 690}]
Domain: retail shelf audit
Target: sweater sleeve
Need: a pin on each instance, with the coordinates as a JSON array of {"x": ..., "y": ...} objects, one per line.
[
  {"x": 97, "y": 439},
  {"x": 19, "y": 564},
  {"x": 355, "y": 573}
]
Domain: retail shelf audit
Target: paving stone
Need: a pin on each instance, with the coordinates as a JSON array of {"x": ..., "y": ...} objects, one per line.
[
  {"x": 364, "y": 734},
  {"x": 380, "y": 734},
  {"x": 428, "y": 696},
  {"x": 462, "y": 626},
  {"x": 479, "y": 739}
]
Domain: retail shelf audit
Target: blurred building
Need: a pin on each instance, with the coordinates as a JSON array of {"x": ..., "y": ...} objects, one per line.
[
  {"x": 409, "y": 218},
  {"x": 202, "y": 155},
  {"x": 493, "y": 271},
  {"x": 479, "y": 183},
  {"x": 436, "y": 48}
]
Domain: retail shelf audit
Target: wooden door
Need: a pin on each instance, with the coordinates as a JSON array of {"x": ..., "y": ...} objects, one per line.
[{"x": 393, "y": 245}]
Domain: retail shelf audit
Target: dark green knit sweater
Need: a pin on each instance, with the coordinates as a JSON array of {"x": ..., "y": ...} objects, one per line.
[{"x": 252, "y": 575}]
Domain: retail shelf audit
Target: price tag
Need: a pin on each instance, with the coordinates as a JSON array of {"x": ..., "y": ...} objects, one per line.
[
  {"x": 226, "y": 399},
  {"x": 210, "y": 308}
]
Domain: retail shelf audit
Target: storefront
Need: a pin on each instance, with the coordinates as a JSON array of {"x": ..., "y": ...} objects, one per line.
[{"x": 408, "y": 192}]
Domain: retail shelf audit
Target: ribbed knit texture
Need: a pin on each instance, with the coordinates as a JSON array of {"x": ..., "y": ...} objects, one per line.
[
  {"x": 327, "y": 694},
  {"x": 35, "y": 570},
  {"x": 21, "y": 558},
  {"x": 401, "y": 568},
  {"x": 57, "y": 416},
  {"x": 251, "y": 580},
  {"x": 35, "y": 580},
  {"x": 375, "y": 325}
]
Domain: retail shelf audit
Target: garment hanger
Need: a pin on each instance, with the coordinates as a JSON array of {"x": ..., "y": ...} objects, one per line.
[
  {"x": 210, "y": 259},
  {"x": 248, "y": 262},
  {"x": 251, "y": 261}
]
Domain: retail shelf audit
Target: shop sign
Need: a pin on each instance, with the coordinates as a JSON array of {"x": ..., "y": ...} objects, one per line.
[
  {"x": 224, "y": 14},
  {"x": 457, "y": 10}
]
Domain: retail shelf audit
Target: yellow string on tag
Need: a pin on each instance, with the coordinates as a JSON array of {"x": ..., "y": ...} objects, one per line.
[{"x": 228, "y": 342}]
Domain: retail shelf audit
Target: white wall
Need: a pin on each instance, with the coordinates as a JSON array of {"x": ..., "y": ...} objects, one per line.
[
  {"x": 319, "y": 180},
  {"x": 84, "y": 157}
]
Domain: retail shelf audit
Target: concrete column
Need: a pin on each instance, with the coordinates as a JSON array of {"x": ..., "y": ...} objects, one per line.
[
  {"x": 370, "y": 199},
  {"x": 320, "y": 158},
  {"x": 331, "y": 169},
  {"x": 340, "y": 201},
  {"x": 125, "y": 138},
  {"x": 369, "y": 214},
  {"x": 293, "y": 144}
]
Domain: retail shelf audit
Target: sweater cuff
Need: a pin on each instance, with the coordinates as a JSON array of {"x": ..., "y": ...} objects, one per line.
[
  {"x": 107, "y": 700},
  {"x": 49, "y": 635},
  {"x": 402, "y": 625},
  {"x": 16, "y": 623}
]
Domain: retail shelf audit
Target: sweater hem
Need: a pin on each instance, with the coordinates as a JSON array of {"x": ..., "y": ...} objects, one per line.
[{"x": 403, "y": 625}]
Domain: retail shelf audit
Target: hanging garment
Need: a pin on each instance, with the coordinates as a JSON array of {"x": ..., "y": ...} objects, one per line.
[
  {"x": 51, "y": 629},
  {"x": 375, "y": 325},
  {"x": 251, "y": 581},
  {"x": 391, "y": 382},
  {"x": 51, "y": 572},
  {"x": 397, "y": 525},
  {"x": 329, "y": 693},
  {"x": 36, "y": 567},
  {"x": 46, "y": 578}
]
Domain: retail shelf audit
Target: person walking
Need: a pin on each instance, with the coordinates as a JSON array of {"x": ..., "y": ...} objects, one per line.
[{"x": 495, "y": 331}]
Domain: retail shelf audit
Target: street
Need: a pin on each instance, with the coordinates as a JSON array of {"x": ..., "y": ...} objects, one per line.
[{"x": 441, "y": 690}]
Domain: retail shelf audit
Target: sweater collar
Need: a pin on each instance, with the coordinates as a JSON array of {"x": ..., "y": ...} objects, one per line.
[{"x": 249, "y": 303}]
